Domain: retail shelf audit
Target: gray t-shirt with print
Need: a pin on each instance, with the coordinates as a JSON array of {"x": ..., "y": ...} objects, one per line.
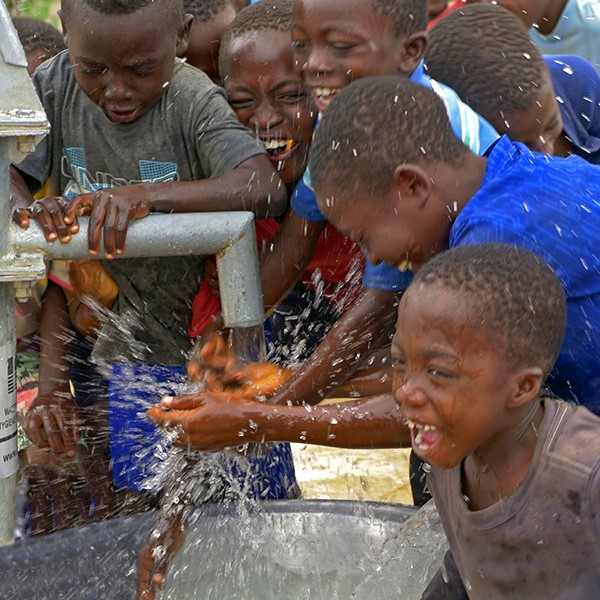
[{"x": 190, "y": 134}]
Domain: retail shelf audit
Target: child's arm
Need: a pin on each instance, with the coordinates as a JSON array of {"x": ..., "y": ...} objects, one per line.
[
  {"x": 287, "y": 256},
  {"x": 253, "y": 185},
  {"x": 52, "y": 420},
  {"x": 214, "y": 420},
  {"x": 367, "y": 325}
]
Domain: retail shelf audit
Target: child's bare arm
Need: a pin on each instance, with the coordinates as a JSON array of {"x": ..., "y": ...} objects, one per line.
[
  {"x": 365, "y": 326},
  {"x": 52, "y": 420},
  {"x": 253, "y": 185},
  {"x": 210, "y": 421},
  {"x": 287, "y": 256}
]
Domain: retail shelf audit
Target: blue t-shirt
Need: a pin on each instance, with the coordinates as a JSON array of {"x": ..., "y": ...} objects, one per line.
[
  {"x": 476, "y": 133},
  {"x": 550, "y": 206},
  {"x": 577, "y": 89}
]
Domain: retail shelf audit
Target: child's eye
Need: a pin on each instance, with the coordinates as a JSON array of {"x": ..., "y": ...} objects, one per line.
[
  {"x": 143, "y": 72},
  {"x": 299, "y": 45},
  {"x": 89, "y": 70},
  {"x": 342, "y": 46},
  {"x": 439, "y": 373},
  {"x": 398, "y": 363},
  {"x": 236, "y": 103},
  {"x": 291, "y": 98}
]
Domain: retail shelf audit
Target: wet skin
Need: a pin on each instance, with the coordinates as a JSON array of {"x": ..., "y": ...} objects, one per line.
[
  {"x": 270, "y": 98},
  {"x": 462, "y": 398},
  {"x": 121, "y": 67},
  {"x": 539, "y": 126},
  {"x": 335, "y": 43},
  {"x": 204, "y": 41},
  {"x": 544, "y": 14}
]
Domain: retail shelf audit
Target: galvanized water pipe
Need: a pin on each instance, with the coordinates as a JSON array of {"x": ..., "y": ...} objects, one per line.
[{"x": 229, "y": 235}]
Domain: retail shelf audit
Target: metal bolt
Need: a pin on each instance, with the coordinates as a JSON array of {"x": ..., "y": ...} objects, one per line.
[
  {"x": 26, "y": 144},
  {"x": 23, "y": 290}
]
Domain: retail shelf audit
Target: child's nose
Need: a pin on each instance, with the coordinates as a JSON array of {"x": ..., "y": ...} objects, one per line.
[
  {"x": 410, "y": 393},
  {"x": 117, "y": 89},
  {"x": 265, "y": 117},
  {"x": 318, "y": 61}
]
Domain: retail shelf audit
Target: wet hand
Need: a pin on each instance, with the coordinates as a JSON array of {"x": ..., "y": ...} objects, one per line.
[
  {"x": 206, "y": 420},
  {"x": 164, "y": 541},
  {"x": 111, "y": 211},
  {"x": 50, "y": 214},
  {"x": 215, "y": 366},
  {"x": 53, "y": 421}
]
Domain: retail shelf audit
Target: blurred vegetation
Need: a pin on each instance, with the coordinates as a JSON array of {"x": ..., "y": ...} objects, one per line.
[{"x": 36, "y": 9}]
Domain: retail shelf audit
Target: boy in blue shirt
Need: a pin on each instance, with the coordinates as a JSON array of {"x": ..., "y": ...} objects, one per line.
[
  {"x": 399, "y": 181},
  {"x": 334, "y": 44}
]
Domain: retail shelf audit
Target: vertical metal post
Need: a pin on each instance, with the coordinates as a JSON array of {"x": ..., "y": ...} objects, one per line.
[{"x": 8, "y": 404}]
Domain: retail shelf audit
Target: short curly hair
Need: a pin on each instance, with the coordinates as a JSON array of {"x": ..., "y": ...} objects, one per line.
[
  {"x": 409, "y": 16},
  {"x": 172, "y": 8},
  {"x": 205, "y": 10},
  {"x": 267, "y": 14},
  {"x": 510, "y": 291},
  {"x": 39, "y": 35},
  {"x": 372, "y": 126},
  {"x": 485, "y": 54}
]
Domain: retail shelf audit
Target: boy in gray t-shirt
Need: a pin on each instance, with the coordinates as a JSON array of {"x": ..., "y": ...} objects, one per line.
[{"x": 133, "y": 131}]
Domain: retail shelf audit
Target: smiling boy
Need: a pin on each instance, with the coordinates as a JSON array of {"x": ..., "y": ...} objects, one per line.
[{"x": 515, "y": 476}]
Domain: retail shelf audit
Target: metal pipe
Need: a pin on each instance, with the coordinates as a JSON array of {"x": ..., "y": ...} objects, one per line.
[
  {"x": 229, "y": 235},
  {"x": 8, "y": 397}
]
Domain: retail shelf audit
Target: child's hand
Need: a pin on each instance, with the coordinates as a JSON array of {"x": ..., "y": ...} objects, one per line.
[
  {"x": 211, "y": 361},
  {"x": 215, "y": 366},
  {"x": 90, "y": 278},
  {"x": 111, "y": 211},
  {"x": 53, "y": 421},
  {"x": 50, "y": 214},
  {"x": 164, "y": 541},
  {"x": 207, "y": 420}
]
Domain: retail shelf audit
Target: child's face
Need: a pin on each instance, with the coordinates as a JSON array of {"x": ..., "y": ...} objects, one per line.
[
  {"x": 123, "y": 63},
  {"x": 271, "y": 99},
  {"x": 204, "y": 41},
  {"x": 451, "y": 378},
  {"x": 539, "y": 126},
  {"x": 337, "y": 42},
  {"x": 390, "y": 228}
]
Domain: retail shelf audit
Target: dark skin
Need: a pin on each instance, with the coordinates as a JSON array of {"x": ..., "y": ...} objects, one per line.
[
  {"x": 123, "y": 70},
  {"x": 412, "y": 223},
  {"x": 372, "y": 49}
]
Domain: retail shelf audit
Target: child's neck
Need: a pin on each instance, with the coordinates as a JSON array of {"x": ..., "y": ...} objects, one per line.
[
  {"x": 495, "y": 471},
  {"x": 550, "y": 19}
]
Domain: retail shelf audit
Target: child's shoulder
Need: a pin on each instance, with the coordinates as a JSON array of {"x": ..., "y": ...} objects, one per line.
[{"x": 573, "y": 437}]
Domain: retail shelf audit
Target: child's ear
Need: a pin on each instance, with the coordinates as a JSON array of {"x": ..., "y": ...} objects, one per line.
[
  {"x": 412, "y": 181},
  {"x": 183, "y": 35},
  {"x": 63, "y": 26},
  {"x": 528, "y": 382},
  {"x": 412, "y": 52}
]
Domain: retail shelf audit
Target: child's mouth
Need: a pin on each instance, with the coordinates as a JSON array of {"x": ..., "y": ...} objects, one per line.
[
  {"x": 423, "y": 437},
  {"x": 121, "y": 115},
  {"x": 279, "y": 150},
  {"x": 324, "y": 96}
]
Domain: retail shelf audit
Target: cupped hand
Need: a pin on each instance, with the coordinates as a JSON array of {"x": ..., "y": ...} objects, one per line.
[
  {"x": 206, "y": 420},
  {"x": 53, "y": 421}
]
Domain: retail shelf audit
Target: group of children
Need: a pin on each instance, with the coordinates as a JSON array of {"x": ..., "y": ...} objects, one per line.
[{"x": 429, "y": 152}]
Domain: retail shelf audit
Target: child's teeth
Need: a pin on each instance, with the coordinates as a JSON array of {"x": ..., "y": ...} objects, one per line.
[
  {"x": 405, "y": 265},
  {"x": 275, "y": 144}
]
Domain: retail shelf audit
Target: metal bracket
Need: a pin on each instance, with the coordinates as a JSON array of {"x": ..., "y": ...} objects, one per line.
[{"x": 23, "y": 270}]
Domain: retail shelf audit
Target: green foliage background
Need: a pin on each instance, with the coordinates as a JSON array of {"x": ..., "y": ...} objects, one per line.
[{"x": 36, "y": 9}]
